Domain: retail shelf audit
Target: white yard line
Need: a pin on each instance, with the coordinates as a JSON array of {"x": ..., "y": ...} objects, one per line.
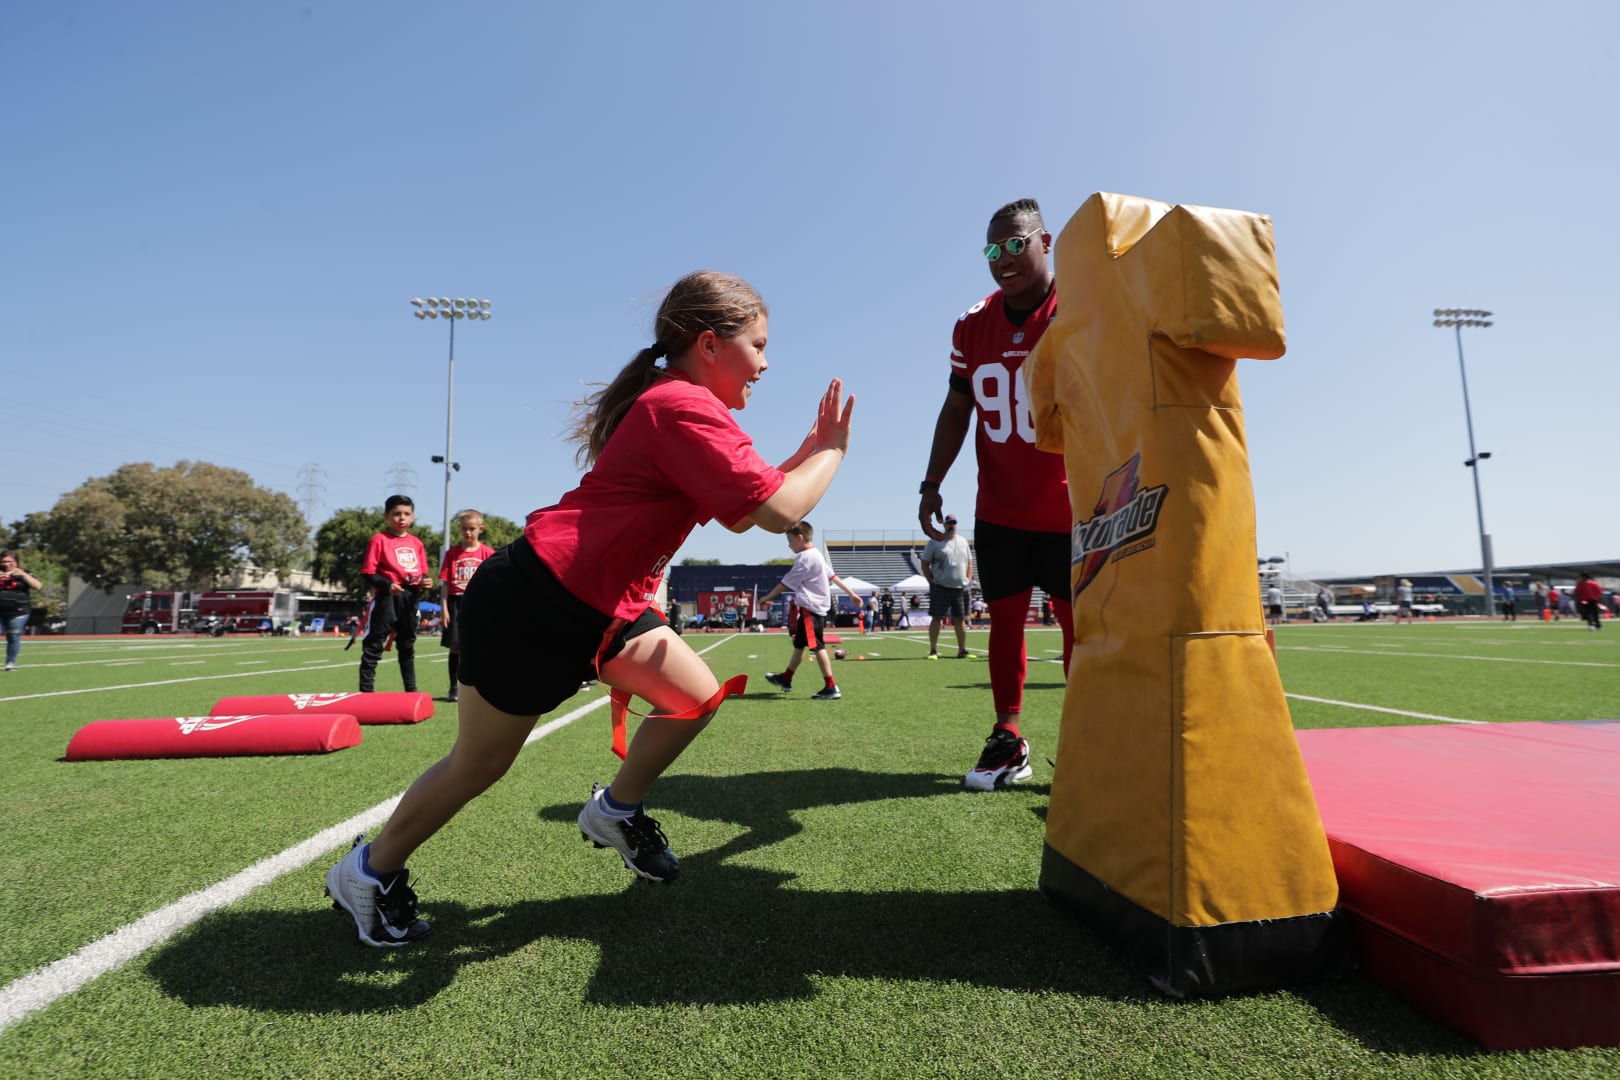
[
  {"x": 214, "y": 650},
  {"x": 44, "y": 985},
  {"x": 1380, "y": 708},
  {"x": 171, "y": 682},
  {"x": 1452, "y": 656}
]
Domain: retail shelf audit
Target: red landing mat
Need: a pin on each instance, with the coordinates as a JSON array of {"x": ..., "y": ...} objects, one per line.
[
  {"x": 1480, "y": 865},
  {"x": 212, "y": 736},
  {"x": 387, "y": 707}
]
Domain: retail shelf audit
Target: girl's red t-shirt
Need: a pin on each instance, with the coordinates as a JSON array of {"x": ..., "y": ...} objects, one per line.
[{"x": 676, "y": 461}]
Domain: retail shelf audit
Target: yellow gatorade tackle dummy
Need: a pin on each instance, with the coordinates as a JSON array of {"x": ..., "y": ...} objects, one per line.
[{"x": 1182, "y": 824}]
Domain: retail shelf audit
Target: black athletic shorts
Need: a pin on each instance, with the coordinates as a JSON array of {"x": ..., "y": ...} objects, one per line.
[
  {"x": 1010, "y": 561},
  {"x": 450, "y": 636},
  {"x": 808, "y": 630},
  {"x": 527, "y": 643}
]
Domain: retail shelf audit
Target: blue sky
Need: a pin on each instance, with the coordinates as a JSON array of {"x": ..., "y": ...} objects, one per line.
[{"x": 216, "y": 215}]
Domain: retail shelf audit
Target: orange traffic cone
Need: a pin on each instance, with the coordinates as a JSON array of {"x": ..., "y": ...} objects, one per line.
[{"x": 1546, "y": 614}]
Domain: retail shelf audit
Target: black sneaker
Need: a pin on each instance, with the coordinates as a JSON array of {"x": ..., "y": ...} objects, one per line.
[
  {"x": 826, "y": 693},
  {"x": 453, "y": 695},
  {"x": 384, "y": 913},
  {"x": 639, "y": 841},
  {"x": 781, "y": 683},
  {"x": 1005, "y": 761}
]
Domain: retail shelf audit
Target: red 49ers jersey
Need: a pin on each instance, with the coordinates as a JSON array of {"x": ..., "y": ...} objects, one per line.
[
  {"x": 399, "y": 558},
  {"x": 1019, "y": 486},
  {"x": 459, "y": 564}
]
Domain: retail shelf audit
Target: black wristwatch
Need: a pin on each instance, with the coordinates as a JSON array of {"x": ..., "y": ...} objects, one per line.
[{"x": 926, "y": 486}]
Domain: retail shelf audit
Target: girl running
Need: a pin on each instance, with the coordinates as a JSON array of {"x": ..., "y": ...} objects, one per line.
[{"x": 569, "y": 600}]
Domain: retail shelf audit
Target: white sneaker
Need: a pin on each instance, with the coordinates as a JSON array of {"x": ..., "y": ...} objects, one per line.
[
  {"x": 385, "y": 916},
  {"x": 638, "y": 839}
]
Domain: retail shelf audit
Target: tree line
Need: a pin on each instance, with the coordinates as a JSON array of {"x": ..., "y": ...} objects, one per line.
[{"x": 190, "y": 526}]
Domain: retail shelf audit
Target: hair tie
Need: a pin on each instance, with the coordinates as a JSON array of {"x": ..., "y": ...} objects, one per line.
[{"x": 658, "y": 351}]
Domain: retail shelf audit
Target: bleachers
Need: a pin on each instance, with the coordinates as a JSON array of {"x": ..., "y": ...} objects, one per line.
[{"x": 882, "y": 567}]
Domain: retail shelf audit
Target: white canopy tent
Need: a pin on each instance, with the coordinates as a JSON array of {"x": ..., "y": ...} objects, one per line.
[
  {"x": 914, "y": 583},
  {"x": 859, "y": 585}
]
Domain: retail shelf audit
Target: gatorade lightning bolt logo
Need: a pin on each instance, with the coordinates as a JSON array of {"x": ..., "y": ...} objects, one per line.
[
  {"x": 1122, "y": 524},
  {"x": 315, "y": 701},
  {"x": 190, "y": 725}
]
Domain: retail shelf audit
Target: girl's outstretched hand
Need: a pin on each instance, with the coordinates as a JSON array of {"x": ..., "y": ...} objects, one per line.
[
  {"x": 832, "y": 419},
  {"x": 829, "y": 432}
]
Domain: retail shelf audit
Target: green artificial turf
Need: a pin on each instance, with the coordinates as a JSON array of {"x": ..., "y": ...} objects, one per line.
[{"x": 845, "y": 908}]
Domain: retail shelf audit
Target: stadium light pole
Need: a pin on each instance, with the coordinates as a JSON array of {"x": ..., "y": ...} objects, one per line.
[
  {"x": 450, "y": 310},
  {"x": 1457, "y": 318}
]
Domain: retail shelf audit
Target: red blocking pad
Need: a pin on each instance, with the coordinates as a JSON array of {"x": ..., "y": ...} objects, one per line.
[
  {"x": 1480, "y": 865},
  {"x": 396, "y": 707},
  {"x": 213, "y": 736}
]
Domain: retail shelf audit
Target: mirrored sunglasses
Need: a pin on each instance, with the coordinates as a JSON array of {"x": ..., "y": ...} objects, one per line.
[{"x": 1013, "y": 247}]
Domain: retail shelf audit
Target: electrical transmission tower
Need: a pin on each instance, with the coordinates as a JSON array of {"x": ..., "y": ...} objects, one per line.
[
  {"x": 311, "y": 487},
  {"x": 402, "y": 479}
]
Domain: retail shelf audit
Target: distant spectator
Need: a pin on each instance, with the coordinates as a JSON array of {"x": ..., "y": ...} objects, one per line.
[
  {"x": 1509, "y": 612},
  {"x": 1324, "y": 601},
  {"x": 947, "y": 563},
  {"x": 1368, "y": 612},
  {"x": 886, "y": 609},
  {"x": 1550, "y": 603},
  {"x": 1538, "y": 597},
  {"x": 1403, "y": 601},
  {"x": 1274, "y": 605},
  {"x": 16, "y": 585},
  {"x": 1589, "y": 594},
  {"x": 674, "y": 614}
]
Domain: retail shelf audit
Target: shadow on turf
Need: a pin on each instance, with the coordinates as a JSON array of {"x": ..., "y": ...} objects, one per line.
[{"x": 723, "y": 934}]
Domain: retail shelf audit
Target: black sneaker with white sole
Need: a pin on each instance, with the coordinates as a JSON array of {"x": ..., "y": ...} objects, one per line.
[
  {"x": 1005, "y": 761},
  {"x": 638, "y": 839},
  {"x": 826, "y": 693},
  {"x": 782, "y": 683},
  {"x": 384, "y": 913}
]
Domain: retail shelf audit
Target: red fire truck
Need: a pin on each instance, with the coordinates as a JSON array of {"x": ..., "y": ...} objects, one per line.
[
  {"x": 218, "y": 612},
  {"x": 157, "y": 612}
]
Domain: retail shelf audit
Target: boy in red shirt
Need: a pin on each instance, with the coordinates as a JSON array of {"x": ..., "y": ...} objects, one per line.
[
  {"x": 396, "y": 564},
  {"x": 456, "y": 570}
]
